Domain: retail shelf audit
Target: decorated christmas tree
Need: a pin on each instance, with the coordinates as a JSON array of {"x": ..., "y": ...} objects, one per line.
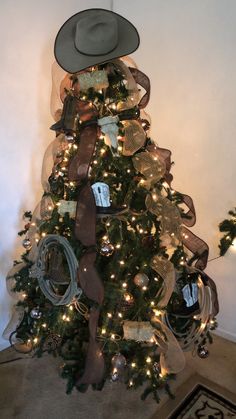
[{"x": 111, "y": 279}]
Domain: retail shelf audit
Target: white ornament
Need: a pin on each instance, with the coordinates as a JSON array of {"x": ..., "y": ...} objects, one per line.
[
  {"x": 110, "y": 128},
  {"x": 101, "y": 194},
  {"x": 139, "y": 331},
  {"x": 95, "y": 79},
  {"x": 190, "y": 294},
  {"x": 67, "y": 206}
]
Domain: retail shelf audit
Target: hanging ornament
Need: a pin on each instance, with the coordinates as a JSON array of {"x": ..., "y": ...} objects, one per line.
[
  {"x": 114, "y": 375},
  {"x": 138, "y": 331},
  {"x": 118, "y": 361},
  {"x": 107, "y": 248},
  {"x": 69, "y": 137},
  {"x": 202, "y": 351},
  {"x": 35, "y": 313},
  {"x": 27, "y": 226},
  {"x": 148, "y": 241},
  {"x": 101, "y": 194},
  {"x": 52, "y": 342},
  {"x": 141, "y": 280},
  {"x": 157, "y": 367},
  {"x": 127, "y": 303},
  {"x": 27, "y": 244},
  {"x": 95, "y": 79}
]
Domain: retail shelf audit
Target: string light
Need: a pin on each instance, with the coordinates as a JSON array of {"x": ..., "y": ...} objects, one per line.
[
  {"x": 105, "y": 174},
  {"x": 112, "y": 336},
  {"x": 133, "y": 365},
  {"x": 124, "y": 285},
  {"x": 120, "y": 148},
  {"x": 44, "y": 325},
  {"x": 112, "y": 276},
  {"x": 118, "y": 246},
  {"x": 130, "y": 383},
  {"x": 109, "y": 315},
  {"x": 95, "y": 162},
  {"x": 102, "y": 151},
  {"x": 120, "y": 315},
  {"x": 144, "y": 288},
  {"x": 35, "y": 340},
  {"x": 148, "y": 372},
  {"x": 148, "y": 360},
  {"x": 103, "y": 331},
  {"x": 157, "y": 312},
  {"x": 133, "y": 218},
  {"x": 152, "y": 303},
  {"x": 122, "y": 262}
]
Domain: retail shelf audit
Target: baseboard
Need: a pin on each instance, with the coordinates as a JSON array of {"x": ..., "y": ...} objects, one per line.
[{"x": 224, "y": 334}]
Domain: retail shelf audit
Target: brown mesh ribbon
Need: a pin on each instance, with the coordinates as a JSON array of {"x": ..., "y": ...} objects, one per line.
[
  {"x": 85, "y": 231},
  {"x": 144, "y": 82},
  {"x": 197, "y": 246},
  {"x": 191, "y": 214},
  {"x": 164, "y": 155}
]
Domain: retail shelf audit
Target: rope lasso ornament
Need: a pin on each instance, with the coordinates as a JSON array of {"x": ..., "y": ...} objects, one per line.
[{"x": 38, "y": 270}]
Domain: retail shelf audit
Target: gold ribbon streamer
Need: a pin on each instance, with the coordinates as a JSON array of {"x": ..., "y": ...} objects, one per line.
[
  {"x": 151, "y": 167},
  {"x": 167, "y": 212},
  {"x": 172, "y": 359},
  {"x": 135, "y": 137}
]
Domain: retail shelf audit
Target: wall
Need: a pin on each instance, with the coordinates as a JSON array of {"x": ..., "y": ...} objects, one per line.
[{"x": 188, "y": 50}]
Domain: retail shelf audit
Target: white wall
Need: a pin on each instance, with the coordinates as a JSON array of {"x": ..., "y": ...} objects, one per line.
[{"x": 188, "y": 50}]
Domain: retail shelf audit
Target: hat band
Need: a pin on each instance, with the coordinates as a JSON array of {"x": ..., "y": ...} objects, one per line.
[{"x": 90, "y": 54}]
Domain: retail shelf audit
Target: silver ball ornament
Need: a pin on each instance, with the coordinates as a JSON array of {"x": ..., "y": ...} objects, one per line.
[
  {"x": 202, "y": 351},
  {"x": 107, "y": 248},
  {"x": 118, "y": 361},
  {"x": 141, "y": 279},
  {"x": 157, "y": 367},
  {"x": 35, "y": 314},
  {"x": 26, "y": 243},
  {"x": 114, "y": 376}
]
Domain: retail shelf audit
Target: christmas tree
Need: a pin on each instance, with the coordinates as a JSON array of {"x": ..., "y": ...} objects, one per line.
[{"x": 111, "y": 278}]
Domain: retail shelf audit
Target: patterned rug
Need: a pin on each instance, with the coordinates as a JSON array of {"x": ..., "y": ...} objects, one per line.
[{"x": 203, "y": 403}]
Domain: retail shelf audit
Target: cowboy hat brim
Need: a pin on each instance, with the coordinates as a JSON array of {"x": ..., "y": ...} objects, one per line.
[{"x": 72, "y": 61}]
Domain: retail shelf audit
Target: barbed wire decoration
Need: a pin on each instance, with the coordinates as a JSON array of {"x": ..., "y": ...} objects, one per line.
[{"x": 48, "y": 269}]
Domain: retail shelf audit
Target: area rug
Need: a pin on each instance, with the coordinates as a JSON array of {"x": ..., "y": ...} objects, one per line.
[{"x": 204, "y": 403}]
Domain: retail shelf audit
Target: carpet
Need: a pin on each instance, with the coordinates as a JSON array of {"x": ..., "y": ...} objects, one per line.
[{"x": 204, "y": 403}]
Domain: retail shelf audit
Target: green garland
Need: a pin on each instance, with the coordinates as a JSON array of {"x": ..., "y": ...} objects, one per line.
[{"x": 228, "y": 227}]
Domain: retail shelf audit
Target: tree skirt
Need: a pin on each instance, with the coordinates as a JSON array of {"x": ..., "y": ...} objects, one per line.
[{"x": 204, "y": 403}]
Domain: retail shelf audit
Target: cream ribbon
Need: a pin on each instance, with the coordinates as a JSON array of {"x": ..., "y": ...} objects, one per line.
[{"x": 166, "y": 270}]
